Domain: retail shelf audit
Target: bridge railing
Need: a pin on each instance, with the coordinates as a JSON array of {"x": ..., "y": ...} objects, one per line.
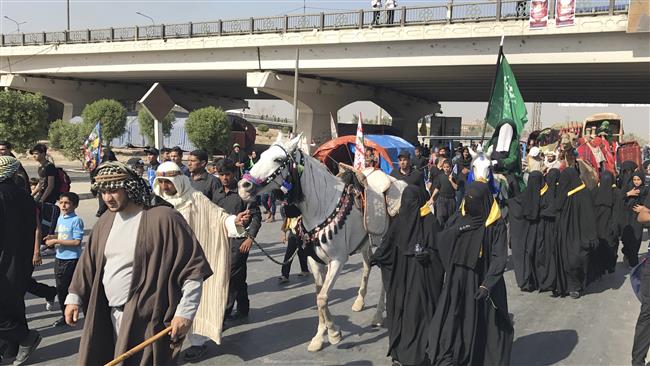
[{"x": 453, "y": 12}]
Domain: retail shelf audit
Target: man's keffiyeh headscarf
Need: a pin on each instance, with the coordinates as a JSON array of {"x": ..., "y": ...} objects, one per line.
[
  {"x": 171, "y": 172},
  {"x": 8, "y": 167},
  {"x": 113, "y": 175}
]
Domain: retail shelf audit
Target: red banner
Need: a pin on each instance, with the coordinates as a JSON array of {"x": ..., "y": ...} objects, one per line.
[
  {"x": 565, "y": 13},
  {"x": 538, "y": 14}
]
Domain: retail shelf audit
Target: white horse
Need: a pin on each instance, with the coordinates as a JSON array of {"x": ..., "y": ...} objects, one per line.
[{"x": 329, "y": 215}]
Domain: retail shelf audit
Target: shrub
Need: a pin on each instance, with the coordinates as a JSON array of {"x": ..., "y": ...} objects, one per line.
[{"x": 208, "y": 129}]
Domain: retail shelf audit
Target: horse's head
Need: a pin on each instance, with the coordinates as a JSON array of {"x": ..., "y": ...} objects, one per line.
[
  {"x": 481, "y": 163},
  {"x": 271, "y": 171}
]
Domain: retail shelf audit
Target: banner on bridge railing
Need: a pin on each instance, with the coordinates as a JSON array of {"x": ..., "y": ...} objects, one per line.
[
  {"x": 538, "y": 14},
  {"x": 565, "y": 13}
]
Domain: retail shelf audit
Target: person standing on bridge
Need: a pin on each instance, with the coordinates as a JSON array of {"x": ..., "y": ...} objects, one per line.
[
  {"x": 212, "y": 227},
  {"x": 376, "y": 6},
  {"x": 390, "y": 11},
  {"x": 142, "y": 270}
]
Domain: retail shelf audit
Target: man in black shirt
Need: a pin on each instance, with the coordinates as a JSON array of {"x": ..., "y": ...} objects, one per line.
[
  {"x": 48, "y": 190},
  {"x": 199, "y": 177},
  {"x": 419, "y": 160},
  {"x": 227, "y": 198},
  {"x": 22, "y": 179},
  {"x": 406, "y": 171}
]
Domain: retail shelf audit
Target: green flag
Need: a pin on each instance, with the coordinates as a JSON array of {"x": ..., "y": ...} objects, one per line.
[{"x": 506, "y": 101}]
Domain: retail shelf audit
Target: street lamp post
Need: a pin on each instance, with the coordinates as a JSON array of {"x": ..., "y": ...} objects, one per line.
[
  {"x": 68, "y": 13},
  {"x": 17, "y": 23},
  {"x": 146, "y": 16}
]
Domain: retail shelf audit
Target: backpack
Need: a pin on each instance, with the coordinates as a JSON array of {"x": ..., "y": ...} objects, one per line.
[{"x": 64, "y": 180}]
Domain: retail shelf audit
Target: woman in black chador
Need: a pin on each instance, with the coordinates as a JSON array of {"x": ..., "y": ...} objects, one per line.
[
  {"x": 545, "y": 259},
  {"x": 635, "y": 193},
  {"x": 577, "y": 233},
  {"x": 471, "y": 325},
  {"x": 526, "y": 233},
  {"x": 416, "y": 276},
  {"x": 608, "y": 201}
]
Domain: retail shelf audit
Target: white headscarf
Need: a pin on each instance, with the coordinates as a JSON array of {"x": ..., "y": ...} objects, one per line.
[{"x": 171, "y": 172}]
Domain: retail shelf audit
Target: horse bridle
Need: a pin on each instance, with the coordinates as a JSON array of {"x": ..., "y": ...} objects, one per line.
[{"x": 288, "y": 163}]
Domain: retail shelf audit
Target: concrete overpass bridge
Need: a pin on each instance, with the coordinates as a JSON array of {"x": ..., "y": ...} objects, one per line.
[{"x": 429, "y": 54}]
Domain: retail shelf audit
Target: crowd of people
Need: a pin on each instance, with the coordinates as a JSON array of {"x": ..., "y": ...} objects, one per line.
[
  {"x": 563, "y": 236},
  {"x": 134, "y": 207},
  {"x": 442, "y": 259}
]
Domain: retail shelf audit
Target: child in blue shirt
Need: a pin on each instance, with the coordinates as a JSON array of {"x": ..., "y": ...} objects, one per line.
[{"x": 67, "y": 242}]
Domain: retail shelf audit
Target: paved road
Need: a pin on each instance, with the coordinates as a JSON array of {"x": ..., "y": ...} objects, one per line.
[{"x": 596, "y": 329}]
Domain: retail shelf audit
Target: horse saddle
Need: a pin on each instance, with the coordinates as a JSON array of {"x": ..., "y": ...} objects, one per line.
[{"x": 382, "y": 198}]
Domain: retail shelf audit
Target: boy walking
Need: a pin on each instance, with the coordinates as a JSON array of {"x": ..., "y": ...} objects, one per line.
[{"x": 67, "y": 241}]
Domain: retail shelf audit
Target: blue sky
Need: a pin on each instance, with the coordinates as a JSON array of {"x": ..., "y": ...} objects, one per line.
[{"x": 50, "y": 15}]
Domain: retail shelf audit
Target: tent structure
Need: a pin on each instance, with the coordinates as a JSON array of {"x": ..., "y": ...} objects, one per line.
[{"x": 341, "y": 150}]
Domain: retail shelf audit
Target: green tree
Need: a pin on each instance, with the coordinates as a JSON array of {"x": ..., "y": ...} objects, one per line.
[
  {"x": 146, "y": 125},
  {"x": 286, "y": 130},
  {"x": 69, "y": 137},
  {"x": 208, "y": 128},
  {"x": 262, "y": 127},
  {"x": 111, "y": 115},
  {"x": 23, "y": 118}
]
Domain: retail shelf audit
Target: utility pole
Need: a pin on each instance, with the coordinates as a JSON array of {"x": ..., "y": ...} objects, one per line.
[
  {"x": 17, "y": 23},
  {"x": 68, "y": 11},
  {"x": 295, "y": 94},
  {"x": 536, "y": 124}
]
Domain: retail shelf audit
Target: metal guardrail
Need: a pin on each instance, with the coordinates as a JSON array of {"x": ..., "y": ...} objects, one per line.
[{"x": 478, "y": 11}]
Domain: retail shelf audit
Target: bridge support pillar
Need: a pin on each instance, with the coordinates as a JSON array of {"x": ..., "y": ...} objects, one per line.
[
  {"x": 319, "y": 99},
  {"x": 73, "y": 94}
]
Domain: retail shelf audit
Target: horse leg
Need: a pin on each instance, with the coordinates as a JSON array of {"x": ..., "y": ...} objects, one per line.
[
  {"x": 334, "y": 334},
  {"x": 378, "y": 319},
  {"x": 318, "y": 271},
  {"x": 363, "y": 288}
]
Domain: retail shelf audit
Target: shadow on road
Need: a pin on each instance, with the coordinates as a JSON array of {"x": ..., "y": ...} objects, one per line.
[
  {"x": 54, "y": 351},
  {"x": 265, "y": 340},
  {"x": 556, "y": 345}
]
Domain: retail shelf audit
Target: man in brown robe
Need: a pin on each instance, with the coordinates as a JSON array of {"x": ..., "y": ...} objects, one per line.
[{"x": 141, "y": 271}]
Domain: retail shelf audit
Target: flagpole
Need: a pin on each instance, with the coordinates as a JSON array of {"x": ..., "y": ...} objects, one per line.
[{"x": 494, "y": 81}]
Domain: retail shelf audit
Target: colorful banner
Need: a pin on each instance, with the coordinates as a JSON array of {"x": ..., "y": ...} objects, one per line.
[
  {"x": 538, "y": 14},
  {"x": 565, "y": 13},
  {"x": 360, "y": 148},
  {"x": 93, "y": 149}
]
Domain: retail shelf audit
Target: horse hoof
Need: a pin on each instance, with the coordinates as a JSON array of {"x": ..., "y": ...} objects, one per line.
[
  {"x": 358, "y": 304},
  {"x": 377, "y": 321},
  {"x": 334, "y": 336},
  {"x": 315, "y": 345}
]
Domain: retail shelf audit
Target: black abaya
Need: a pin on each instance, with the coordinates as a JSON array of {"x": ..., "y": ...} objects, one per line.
[
  {"x": 526, "y": 233},
  {"x": 577, "y": 232},
  {"x": 632, "y": 230},
  {"x": 473, "y": 248},
  {"x": 608, "y": 202},
  {"x": 414, "y": 286},
  {"x": 546, "y": 257},
  {"x": 17, "y": 228}
]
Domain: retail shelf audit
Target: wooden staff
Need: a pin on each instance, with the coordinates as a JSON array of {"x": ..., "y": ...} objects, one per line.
[{"x": 139, "y": 347}]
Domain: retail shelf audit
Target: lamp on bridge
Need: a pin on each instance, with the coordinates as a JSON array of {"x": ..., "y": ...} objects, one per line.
[
  {"x": 17, "y": 23},
  {"x": 146, "y": 16}
]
